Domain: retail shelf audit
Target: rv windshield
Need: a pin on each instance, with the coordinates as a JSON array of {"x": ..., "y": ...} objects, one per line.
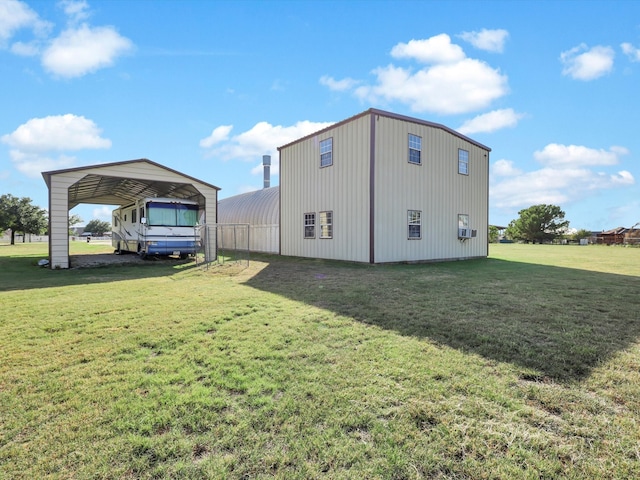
[{"x": 171, "y": 214}]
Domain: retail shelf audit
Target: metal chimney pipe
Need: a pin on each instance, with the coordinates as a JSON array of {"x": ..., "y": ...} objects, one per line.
[{"x": 266, "y": 162}]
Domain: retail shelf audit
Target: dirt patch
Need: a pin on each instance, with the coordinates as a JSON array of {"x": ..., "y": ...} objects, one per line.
[{"x": 100, "y": 259}]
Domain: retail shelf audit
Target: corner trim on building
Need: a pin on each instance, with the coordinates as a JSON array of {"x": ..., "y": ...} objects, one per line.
[{"x": 372, "y": 187}]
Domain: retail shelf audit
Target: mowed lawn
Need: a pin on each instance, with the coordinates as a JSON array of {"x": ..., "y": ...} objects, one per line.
[{"x": 522, "y": 365}]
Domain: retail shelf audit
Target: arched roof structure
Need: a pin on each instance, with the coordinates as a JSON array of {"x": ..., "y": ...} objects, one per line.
[
  {"x": 118, "y": 183},
  {"x": 261, "y": 207}
]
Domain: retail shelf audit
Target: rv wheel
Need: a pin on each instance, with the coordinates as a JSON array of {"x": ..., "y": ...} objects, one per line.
[{"x": 142, "y": 253}]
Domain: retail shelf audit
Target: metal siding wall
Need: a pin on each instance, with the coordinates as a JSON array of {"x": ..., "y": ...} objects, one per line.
[
  {"x": 342, "y": 188},
  {"x": 435, "y": 188}
]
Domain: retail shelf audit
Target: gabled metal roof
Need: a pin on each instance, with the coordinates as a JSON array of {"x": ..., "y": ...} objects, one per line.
[{"x": 112, "y": 190}]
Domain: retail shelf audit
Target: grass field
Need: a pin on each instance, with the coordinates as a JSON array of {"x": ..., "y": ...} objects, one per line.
[{"x": 522, "y": 365}]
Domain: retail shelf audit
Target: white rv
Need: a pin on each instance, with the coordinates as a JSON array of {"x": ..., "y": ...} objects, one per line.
[{"x": 157, "y": 226}]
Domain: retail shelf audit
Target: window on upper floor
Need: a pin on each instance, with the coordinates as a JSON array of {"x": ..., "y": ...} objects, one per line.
[
  {"x": 326, "y": 224},
  {"x": 463, "y": 161},
  {"x": 326, "y": 152},
  {"x": 415, "y": 149},
  {"x": 309, "y": 225},
  {"x": 414, "y": 224}
]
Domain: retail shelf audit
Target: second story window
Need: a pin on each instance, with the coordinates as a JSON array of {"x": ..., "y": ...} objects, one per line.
[
  {"x": 415, "y": 149},
  {"x": 463, "y": 161},
  {"x": 326, "y": 152}
]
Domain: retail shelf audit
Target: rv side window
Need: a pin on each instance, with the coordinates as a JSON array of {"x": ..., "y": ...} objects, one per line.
[
  {"x": 141, "y": 212},
  {"x": 133, "y": 216},
  {"x": 125, "y": 217},
  {"x": 115, "y": 221}
]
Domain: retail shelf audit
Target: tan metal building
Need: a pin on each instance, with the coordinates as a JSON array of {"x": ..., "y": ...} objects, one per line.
[
  {"x": 118, "y": 183},
  {"x": 380, "y": 187}
]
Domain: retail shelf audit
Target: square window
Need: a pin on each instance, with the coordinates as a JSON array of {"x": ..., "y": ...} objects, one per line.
[
  {"x": 414, "y": 222},
  {"x": 309, "y": 225},
  {"x": 415, "y": 149},
  {"x": 463, "y": 162},
  {"x": 326, "y": 152},
  {"x": 326, "y": 224}
]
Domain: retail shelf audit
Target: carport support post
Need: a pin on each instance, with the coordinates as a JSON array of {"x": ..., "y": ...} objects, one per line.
[{"x": 59, "y": 225}]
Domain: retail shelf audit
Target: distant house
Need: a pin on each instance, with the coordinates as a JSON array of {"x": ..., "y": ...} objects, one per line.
[{"x": 618, "y": 236}]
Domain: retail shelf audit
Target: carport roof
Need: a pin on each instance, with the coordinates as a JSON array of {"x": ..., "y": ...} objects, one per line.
[{"x": 95, "y": 188}]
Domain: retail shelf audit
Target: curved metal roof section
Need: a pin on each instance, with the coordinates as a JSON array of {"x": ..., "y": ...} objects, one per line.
[{"x": 261, "y": 207}]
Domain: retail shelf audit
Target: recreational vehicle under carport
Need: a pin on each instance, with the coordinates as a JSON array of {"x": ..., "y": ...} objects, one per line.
[{"x": 118, "y": 183}]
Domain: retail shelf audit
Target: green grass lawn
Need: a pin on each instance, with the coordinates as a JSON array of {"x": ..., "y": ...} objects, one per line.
[{"x": 522, "y": 365}]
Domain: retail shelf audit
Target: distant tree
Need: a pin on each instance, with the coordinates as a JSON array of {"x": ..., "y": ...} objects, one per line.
[
  {"x": 97, "y": 227},
  {"x": 20, "y": 216},
  {"x": 538, "y": 223},
  {"x": 73, "y": 220},
  {"x": 582, "y": 233},
  {"x": 494, "y": 234}
]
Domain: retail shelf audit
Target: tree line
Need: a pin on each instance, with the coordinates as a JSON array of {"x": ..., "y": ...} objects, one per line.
[
  {"x": 21, "y": 216},
  {"x": 539, "y": 224}
]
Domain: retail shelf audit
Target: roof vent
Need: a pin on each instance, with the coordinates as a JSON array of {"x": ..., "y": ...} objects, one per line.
[{"x": 266, "y": 162}]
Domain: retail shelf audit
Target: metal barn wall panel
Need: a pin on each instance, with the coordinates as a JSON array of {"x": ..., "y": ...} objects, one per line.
[
  {"x": 342, "y": 188},
  {"x": 434, "y": 187}
]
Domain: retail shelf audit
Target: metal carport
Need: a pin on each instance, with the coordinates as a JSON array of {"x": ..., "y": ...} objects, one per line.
[{"x": 118, "y": 183}]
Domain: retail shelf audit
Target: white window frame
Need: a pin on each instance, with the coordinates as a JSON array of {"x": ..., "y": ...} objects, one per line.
[
  {"x": 415, "y": 145},
  {"x": 325, "y": 222},
  {"x": 463, "y": 161},
  {"x": 326, "y": 152},
  {"x": 463, "y": 220},
  {"x": 310, "y": 222},
  {"x": 414, "y": 219}
]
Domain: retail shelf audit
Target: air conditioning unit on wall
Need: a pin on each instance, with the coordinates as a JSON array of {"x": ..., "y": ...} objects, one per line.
[{"x": 464, "y": 233}]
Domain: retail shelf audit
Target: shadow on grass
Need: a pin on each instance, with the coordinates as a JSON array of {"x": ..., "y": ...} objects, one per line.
[
  {"x": 21, "y": 272},
  {"x": 556, "y": 323}
]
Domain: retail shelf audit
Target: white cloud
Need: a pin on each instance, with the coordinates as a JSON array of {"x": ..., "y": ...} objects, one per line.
[
  {"x": 338, "y": 85},
  {"x": 565, "y": 178},
  {"x": 434, "y": 50},
  {"x": 489, "y": 40},
  {"x": 553, "y": 185},
  {"x": 491, "y": 121},
  {"x": 76, "y": 10},
  {"x": 86, "y": 49},
  {"x": 450, "y": 83},
  {"x": 262, "y": 139},
  {"x": 56, "y": 132},
  {"x": 219, "y": 134},
  {"x": 33, "y": 164},
  {"x": 632, "y": 52},
  {"x": 450, "y": 88},
  {"x": 16, "y": 15},
  {"x": 24, "y": 49},
  {"x": 33, "y": 142},
  {"x": 103, "y": 212},
  {"x": 588, "y": 65},
  {"x": 504, "y": 168},
  {"x": 579, "y": 156}
]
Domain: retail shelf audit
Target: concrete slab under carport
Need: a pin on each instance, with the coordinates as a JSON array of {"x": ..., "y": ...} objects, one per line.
[{"x": 118, "y": 183}]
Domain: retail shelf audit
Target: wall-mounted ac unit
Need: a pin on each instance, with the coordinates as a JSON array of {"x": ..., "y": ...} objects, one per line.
[
  {"x": 464, "y": 233},
  {"x": 474, "y": 233}
]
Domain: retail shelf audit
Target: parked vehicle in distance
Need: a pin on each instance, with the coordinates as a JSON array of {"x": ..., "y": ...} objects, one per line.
[{"x": 157, "y": 226}]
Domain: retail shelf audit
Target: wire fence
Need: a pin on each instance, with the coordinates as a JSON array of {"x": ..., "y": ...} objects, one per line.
[{"x": 223, "y": 244}]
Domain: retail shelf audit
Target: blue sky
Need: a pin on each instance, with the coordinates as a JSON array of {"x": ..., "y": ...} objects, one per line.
[{"x": 208, "y": 87}]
